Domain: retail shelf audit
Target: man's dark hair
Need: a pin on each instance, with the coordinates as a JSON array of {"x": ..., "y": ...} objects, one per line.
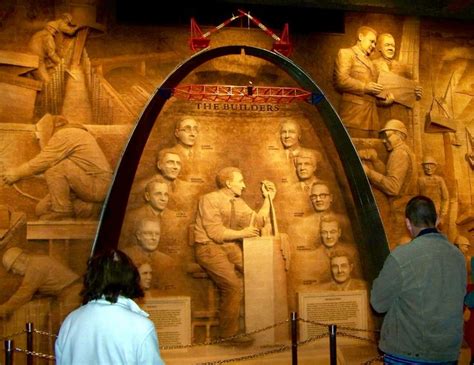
[
  {"x": 111, "y": 273},
  {"x": 421, "y": 211}
]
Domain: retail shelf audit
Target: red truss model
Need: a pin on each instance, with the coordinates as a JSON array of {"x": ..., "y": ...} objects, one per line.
[
  {"x": 200, "y": 40},
  {"x": 241, "y": 94}
]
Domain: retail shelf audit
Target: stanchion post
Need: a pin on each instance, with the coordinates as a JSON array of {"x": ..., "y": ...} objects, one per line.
[
  {"x": 29, "y": 343},
  {"x": 332, "y": 344},
  {"x": 9, "y": 350},
  {"x": 294, "y": 338}
]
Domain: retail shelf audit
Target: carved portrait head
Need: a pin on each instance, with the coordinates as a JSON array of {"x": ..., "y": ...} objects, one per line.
[
  {"x": 147, "y": 233},
  {"x": 15, "y": 260},
  {"x": 341, "y": 266},
  {"x": 169, "y": 164},
  {"x": 366, "y": 39},
  {"x": 231, "y": 178},
  {"x": 187, "y": 131},
  {"x": 330, "y": 230},
  {"x": 429, "y": 165},
  {"x": 306, "y": 164},
  {"x": 146, "y": 273},
  {"x": 290, "y": 133},
  {"x": 393, "y": 133},
  {"x": 157, "y": 194},
  {"x": 46, "y": 126},
  {"x": 321, "y": 197},
  {"x": 386, "y": 46}
]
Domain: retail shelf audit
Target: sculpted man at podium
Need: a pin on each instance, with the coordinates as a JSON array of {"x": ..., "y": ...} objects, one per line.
[{"x": 223, "y": 220}]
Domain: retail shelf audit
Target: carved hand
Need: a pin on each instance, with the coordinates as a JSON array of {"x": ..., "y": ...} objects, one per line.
[
  {"x": 249, "y": 232},
  {"x": 268, "y": 189},
  {"x": 368, "y": 154},
  {"x": 373, "y": 88},
  {"x": 10, "y": 176}
]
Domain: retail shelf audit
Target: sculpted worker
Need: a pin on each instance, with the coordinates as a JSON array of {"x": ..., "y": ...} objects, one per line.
[
  {"x": 41, "y": 275},
  {"x": 399, "y": 175},
  {"x": 223, "y": 220},
  {"x": 74, "y": 166},
  {"x": 355, "y": 77},
  {"x": 434, "y": 187},
  {"x": 43, "y": 45},
  {"x": 421, "y": 288},
  {"x": 387, "y": 61}
]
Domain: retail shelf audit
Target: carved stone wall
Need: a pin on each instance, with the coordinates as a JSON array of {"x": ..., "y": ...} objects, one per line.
[{"x": 121, "y": 67}]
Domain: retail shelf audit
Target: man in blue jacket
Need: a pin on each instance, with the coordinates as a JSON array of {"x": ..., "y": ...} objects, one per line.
[{"x": 421, "y": 288}]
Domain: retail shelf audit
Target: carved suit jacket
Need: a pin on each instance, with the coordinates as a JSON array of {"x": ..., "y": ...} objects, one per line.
[{"x": 352, "y": 71}]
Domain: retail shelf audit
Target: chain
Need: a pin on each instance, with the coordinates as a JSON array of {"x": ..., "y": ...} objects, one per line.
[
  {"x": 264, "y": 353},
  {"x": 37, "y": 354},
  {"x": 44, "y": 333},
  {"x": 222, "y": 340},
  {"x": 312, "y": 339},
  {"x": 9, "y": 337},
  {"x": 248, "y": 357},
  {"x": 338, "y": 327}
]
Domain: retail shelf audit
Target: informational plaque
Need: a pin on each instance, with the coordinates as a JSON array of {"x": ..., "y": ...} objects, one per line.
[
  {"x": 342, "y": 308},
  {"x": 172, "y": 318}
]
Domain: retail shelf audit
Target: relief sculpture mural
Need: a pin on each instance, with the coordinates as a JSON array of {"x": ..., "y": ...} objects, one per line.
[{"x": 214, "y": 178}]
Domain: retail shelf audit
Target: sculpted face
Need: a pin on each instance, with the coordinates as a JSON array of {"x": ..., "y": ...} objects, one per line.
[
  {"x": 237, "y": 184},
  {"x": 320, "y": 197},
  {"x": 305, "y": 167},
  {"x": 146, "y": 275},
  {"x": 157, "y": 196},
  {"x": 429, "y": 168},
  {"x": 289, "y": 134},
  {"x": 148, "y": 235},
  {"x": 187, "y": 132},
  {"x": 330, "y": 233},
  {"x": 341, "y": 269},
  {"x": 387, "y": 46},
  {"x": 19, "y": 266},
  {"x": 367, "y": 42},
  {"x": 389, "y": 139},
  {"x": 170, "y": 165}
]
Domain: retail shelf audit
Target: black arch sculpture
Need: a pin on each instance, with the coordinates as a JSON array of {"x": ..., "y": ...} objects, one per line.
[{"x": 368, "y": 230}]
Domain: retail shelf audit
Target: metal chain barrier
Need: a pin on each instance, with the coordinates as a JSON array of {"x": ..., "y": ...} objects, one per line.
[
  {"x": 223, "y": 340},
  {"x": 36, "y": 354},
  {"x": 280, "y": 349},
  {"x": 339, "y": 327},
  {"x": 44, "y": 333}
]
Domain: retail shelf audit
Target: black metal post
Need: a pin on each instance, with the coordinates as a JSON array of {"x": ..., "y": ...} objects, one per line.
[
  {"x": 294, "y": 338},
  {"x": 332, "y": 344},
  {"x": 29, "y": 343},
  {"x": 9, "y": 350}
]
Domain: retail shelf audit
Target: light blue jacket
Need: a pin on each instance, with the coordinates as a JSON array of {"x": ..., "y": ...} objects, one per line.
[
  {"x": 103, "y": 333},
  {"x": 421, "y": 287}
]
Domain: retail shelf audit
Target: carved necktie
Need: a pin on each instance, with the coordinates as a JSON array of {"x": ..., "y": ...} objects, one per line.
[{"x": 232, "y": 222}]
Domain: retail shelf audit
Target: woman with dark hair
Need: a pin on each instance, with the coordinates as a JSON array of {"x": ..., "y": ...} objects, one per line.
[{"x": 109, "y": 328}]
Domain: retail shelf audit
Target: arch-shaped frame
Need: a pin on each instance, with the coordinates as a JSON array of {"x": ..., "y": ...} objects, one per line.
[{"x": 368, "y": 230}]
